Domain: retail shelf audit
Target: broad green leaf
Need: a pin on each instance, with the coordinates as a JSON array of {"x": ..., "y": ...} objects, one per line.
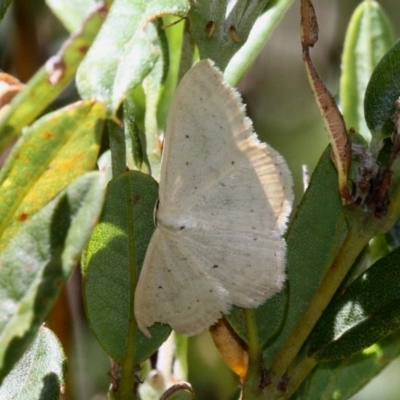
[
  {"x": 381, "y": 94},
  {"x": 40, "y": 373},
  {"x": 123, "y": 53},
  {"x": 260, "y": 32},
  {"x": 365, "y": 313},
  {"x": 268, "y": 318},
  {"x": 220, "y": 31},
  {"x": 50, "y": 80},
  {"x": 113, "y": 260},
  {"x": 369, "y": 36},
  {"x": 71, "y": 13},
  {"x": 39, "y": 259},
  {"x": 52, "y": 153},
  {"x": 343, "y": 378},
  {"x": 312, "y": 240}
]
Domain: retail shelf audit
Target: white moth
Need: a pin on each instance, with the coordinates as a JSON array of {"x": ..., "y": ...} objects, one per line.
[{"x": 224, "y": 203}]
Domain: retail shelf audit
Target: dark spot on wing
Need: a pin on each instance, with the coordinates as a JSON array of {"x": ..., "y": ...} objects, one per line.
[
  {"x": 182, "y": 227},
  {"x": 215, "y": 266},
  {"x": 160, "y": 287}
]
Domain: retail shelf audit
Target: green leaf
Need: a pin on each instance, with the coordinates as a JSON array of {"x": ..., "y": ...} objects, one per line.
[
  {"x": 174, "y": 36},
  {"x": 369, "y": 36},
  {"x": 152, "y": 88},
  {"x": 268, "y": 318},
  {"x": 217, "y": 35},
  {"x": 313, "y": 240},
  {"x": 261, "y": 31},
  {"x": 39, "y": 259},
  {"x": 141, "y": 109},
  {"x": 116, "y": 137},
  {"x": 53, "y": 152},
  {"x": 123, "y": 53},
  {"x": 343, "y": 378},
  {"x": 71, "y": 13},
  {"x": 365, "y": 313},
  {"x": 381, "y": 94},
  {"x": 50, "y": 80},
  {"x": 40, "y": 373},
  {"x": 125, "y": 228},
  {"x": 134, "y": 141}
]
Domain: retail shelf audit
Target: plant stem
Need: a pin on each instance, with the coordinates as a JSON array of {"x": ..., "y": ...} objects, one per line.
[
  {"x": 251, "y": 389},
  {"x": 354, "y": 242},
  {"x": 361, "y": 228},
  {"x": 298, "y": 374},
  {"x": 188, "y": 50},
  {"x": 181, "y": 354}
]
